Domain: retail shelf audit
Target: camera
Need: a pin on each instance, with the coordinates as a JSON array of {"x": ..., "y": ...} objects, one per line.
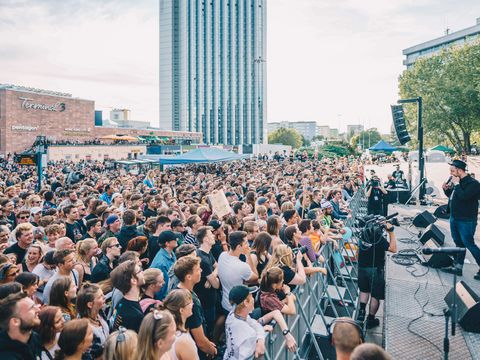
[
  {"x": 302, "y": 249},
  {"x": 374, "y": 183}
]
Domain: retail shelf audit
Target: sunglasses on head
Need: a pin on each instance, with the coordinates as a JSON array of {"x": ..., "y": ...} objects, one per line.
[
  {"x": 157, "y": 315},
  {"x": 120, "y": 336}
]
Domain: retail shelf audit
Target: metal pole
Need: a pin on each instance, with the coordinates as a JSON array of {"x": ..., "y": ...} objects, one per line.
[
  {"x": 39, "y": 169},
  {"x": 421, "y": 159}
]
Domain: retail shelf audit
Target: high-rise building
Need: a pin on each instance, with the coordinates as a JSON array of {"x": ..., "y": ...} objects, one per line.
[
  {"x": 434, "y": 46},
  {"x": 305, "y": 128},
  {"x": 213, "y": 69}
]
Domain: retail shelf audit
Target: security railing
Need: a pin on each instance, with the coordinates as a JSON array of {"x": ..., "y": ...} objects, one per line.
[{"x": 322, "y": 298}]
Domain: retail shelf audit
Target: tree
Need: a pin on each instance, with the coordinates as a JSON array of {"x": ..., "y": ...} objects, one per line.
[
  {"x": 366, "y": 138},
  {"x": 286, "y": 137},
  {"x": 305, "y": 141},
  {"x": 318, "y": 137},
  {"x": 449, "y": 84}
]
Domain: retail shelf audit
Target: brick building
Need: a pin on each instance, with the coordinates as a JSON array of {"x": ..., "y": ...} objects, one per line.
[{"x": 26, "y": 113}]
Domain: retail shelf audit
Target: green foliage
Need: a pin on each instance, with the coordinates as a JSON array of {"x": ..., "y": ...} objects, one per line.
[
  {"x": 305, "y": 141},
  {"x": 318, "y": 137},
  {"x": 286, "y": 137},
  {"x": 366, "y": 138},
  {"x": 449, "y": 84}
]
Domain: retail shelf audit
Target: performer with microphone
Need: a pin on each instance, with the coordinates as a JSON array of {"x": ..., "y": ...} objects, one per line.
[{"x": 463, "y": 192}]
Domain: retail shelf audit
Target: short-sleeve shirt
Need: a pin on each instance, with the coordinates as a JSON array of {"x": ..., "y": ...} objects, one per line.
[
  {"x": 269, "y": 301},
  {"x": 128, "y": 314},
  {"x": 373, "y": 255},
  {"x": 197, "y": 318},
  {"x": 208, "y": 297},
  {"x": 288, "y": 275},
  {"x": 231, "y": 272}
]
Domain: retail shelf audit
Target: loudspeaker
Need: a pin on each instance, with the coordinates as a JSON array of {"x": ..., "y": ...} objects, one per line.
[
  {"x": 399, "y": 124},
  {"x": 442, "y": 212},
  {"x": 437, "y": 260},
  {"x": 468, "y": 307},
  {"x": 424, "y": 219},
  {"x": 433, "y": 232}
]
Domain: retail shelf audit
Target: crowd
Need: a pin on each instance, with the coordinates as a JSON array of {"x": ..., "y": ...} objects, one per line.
[{"x": 122, "y": 266}]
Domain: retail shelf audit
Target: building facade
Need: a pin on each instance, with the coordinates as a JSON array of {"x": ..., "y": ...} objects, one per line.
[
  {"x": 212, "y": 69},
  {"x": 308, "y": 129},
  {"x": 26, "y": 113},
  {"x": 353, "y": 130},
  {"x": 434, "y": 46}
]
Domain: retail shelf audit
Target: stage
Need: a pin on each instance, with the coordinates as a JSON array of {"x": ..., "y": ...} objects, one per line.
[{"x": 408, "y": 289}]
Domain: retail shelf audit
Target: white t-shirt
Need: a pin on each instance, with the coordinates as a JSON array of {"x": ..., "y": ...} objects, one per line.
[
  {"x": 231, "y": 272},
  {"x": 242, "y": 336}
]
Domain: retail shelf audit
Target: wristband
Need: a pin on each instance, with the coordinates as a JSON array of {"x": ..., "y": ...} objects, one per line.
[
  {"x": 285, "y": 332},
  {"x": 390, "y": 230}
]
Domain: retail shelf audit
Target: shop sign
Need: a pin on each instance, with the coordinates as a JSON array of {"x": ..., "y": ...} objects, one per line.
[
  {"x": 24, "y": 128},
  {"x": 26, "y": 159},
  {"x": 30, "y": 105}
]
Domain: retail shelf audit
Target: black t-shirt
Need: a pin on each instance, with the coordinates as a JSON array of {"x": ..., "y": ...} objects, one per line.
[
  {"x": 149, "y": 213},
  {"x": 288, "y": 275},
  {"x": 73, "y": 231},
  {"x": 375, "y": 199},
  {"x": 153, "y": 247},
  {"x": 197, "y": 318},
  {"x": 208, "y": 297},
  {"x": 17, "y": 250},
  {"x": 128, "y": 314},
  {"x": 372, "y": 254}
]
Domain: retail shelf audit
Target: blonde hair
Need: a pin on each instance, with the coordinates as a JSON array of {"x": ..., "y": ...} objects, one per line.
[
  {"x": 121, "y": 350},
  {"x": 281, "y": 256},
  {"x": 83, "y": 247},
  {"x": 152, "y": 330},
  {"x": 287, "y": 205}
]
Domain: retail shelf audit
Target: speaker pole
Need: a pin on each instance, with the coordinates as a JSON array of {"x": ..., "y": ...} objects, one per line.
[{"x": 450, "y": 311}]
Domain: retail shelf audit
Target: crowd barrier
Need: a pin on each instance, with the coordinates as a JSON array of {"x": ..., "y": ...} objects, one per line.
[{"x": 322, "y": 298}]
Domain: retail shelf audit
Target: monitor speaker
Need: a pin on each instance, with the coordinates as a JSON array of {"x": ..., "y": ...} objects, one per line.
[
  {"x": 468, "y": 307},
  {"x": 424, "y": 219},
  {"x": 436, "y": 260},
  {"x": 433, "y": 232},
  {"x": 442, "y": 212}
]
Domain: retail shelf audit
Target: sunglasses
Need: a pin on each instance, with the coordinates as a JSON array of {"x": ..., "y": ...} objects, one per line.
[
  {"x": 157, "y": 315},
  {"x": 23, "y": 217},
  {"x": 120, "y": 336},
  {"x": 116, "y": 245}
]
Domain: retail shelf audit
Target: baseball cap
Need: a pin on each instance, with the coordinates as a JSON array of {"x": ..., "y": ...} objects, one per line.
[
  {"x": 459, "y": 164},
  {"x": 228, "y": 193},
  {"x": 262, "y": 200},
  {"x": 239, "y": 293},
  {"x": 35, "y": 210},
  {"x": 326, "y": 204},
  {"x": 111, "y": 219},
  {"x": 215, "y": 224},
  {"x": 166, "y": 236}
]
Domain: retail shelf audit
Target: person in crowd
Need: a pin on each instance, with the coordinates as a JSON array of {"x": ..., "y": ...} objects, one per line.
[
  {"x": 346, "y": 336},
  {"x": 30, "y": 283},
  {"x": 336, "y": 200},
  {"x": 165, "y": 257},
  {"x": 63, "y": 294},
  {"x": 64, "y": 243},
  {"x": 33, "y": 258},
  {"x": 86, "y": 251},
  {"x": 49, "y": 329},
  {"x": 111, "y": 250},
  {"x": 194, "y": 223},
  {"x": 128, "y": 278},
  {"x": 259, "y": 252},
  {"x": 65, "y": 261},
  {"x": 209, "y": 284},
  {"x": 74, "y": 340},
  {"x": 245, "y": 336},
  {"x": 274, "y": 294},
  {"x": 18, "y": 318},
  {"x": 182, "y": 250},
  {"x": 45, "y": 270},
  {"x": 154, "y": 281},
  {"x": 162, "y": 223},
  {"x": 90, "y": 302},
  {"x": 8, "y": 273},
  {"x": 113, "y": 225},
  {"x": 52, "y": 232},
  {"x": 129, "y": 228},
  {"x": 293, "y": 273},
  {"x": 375, "y": 194},
  {"x": 188, "y": 272},
  {"x": 274, "y": 223},
  {"x": 231, "y": 270},
  {"x": 121, "y": 345},
  {"x": 107, "y": 194},
  {"x": 157, "y": 335},
  {"x": 291, "y": 218},
  {"x": 180, "y": 304},
  {"x": 24, "y": 236},
  {"x": 74, "y": 231},
  {"x": 369, "y": 351},
  {"x": 151, "y": 207},
  {"x": 94, "y": 228}
]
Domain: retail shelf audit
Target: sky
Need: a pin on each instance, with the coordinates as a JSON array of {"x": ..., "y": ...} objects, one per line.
[{"x": 335, "y": 62}]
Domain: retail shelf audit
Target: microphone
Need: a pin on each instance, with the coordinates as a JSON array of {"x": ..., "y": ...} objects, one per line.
[
  {"x": 391, "y": 216},
  {"x": 445, "y": 250},
  {"x": 449, "y": 179}
]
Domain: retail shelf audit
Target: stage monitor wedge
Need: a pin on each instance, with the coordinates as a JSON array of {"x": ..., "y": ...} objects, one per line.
[
  {"x": 433, "y": 232},
  {"x": 436, "y": 260},
  {"x": 424, "y": 219},
  {"x": 400, "y": 124},
  {"x": 468, "y": 306}
]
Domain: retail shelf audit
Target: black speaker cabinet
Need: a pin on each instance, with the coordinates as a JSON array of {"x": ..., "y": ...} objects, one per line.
[
  {"x": 442, "y": 212},
  {"x": 424, "y": 219},
  {"x": 468, "y": 307},
  {"x": 437, "y": 260},
  {"x": 433, "y": 232}
]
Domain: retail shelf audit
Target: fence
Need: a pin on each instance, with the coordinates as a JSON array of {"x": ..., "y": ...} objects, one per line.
[{"x": 322, "y": 298}]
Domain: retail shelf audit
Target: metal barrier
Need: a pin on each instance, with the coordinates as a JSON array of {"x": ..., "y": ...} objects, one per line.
[{"x": 322, "y": 298}]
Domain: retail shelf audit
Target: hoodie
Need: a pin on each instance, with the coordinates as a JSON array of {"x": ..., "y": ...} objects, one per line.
[
  {"x": 13, "y": 349},
  {"x": 126, "y": 234}
]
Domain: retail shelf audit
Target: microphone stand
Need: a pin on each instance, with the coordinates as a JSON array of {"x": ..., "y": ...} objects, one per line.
[{"x": 451, "y": 311}]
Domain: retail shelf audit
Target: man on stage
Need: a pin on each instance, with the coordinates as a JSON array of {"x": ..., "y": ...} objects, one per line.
[{"x": 464, "y": 193}]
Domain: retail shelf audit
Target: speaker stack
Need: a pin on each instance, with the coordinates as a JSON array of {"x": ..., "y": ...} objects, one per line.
[{"x": 468, "y": 307}]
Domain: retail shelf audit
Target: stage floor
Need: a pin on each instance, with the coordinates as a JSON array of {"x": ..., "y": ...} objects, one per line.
[{"x": 411, "y": 288}]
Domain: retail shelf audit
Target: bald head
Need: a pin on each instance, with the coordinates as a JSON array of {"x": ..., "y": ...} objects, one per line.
[
  {"x": 345, "y": 337},
  {"x": 369, "y": 351}
]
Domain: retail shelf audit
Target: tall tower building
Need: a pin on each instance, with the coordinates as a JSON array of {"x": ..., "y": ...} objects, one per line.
[{"x": 213, "y": 69}]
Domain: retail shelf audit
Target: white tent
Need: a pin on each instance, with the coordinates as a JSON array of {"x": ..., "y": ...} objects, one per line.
[{"x": 436, "y": 156}]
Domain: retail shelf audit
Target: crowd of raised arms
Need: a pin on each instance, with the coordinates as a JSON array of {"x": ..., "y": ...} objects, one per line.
[{"x": 107, "y": 264}]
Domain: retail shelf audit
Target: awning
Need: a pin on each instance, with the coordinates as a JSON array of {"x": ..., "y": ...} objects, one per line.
[{"x": 202, "y": 155}]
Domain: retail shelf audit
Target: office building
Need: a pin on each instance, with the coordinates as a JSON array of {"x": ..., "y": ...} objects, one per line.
[
  {"x": 353, "y": 130},
  {"x": 305, "y": 128},
  {"x": 213, "y": 69},
  {"x": 434, "y": 46}
]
